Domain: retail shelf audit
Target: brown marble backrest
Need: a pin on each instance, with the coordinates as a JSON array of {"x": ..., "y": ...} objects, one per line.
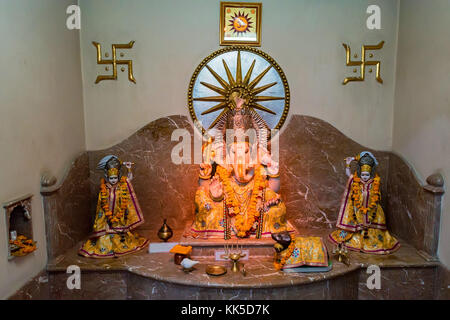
[
  {"x": 413, "y": 209},
  {"x": 164, "y": 190},
  {"x": 313, "y": 179},
  {"x": 68, "y": 216},
  {"x": 312, "y": 154}
]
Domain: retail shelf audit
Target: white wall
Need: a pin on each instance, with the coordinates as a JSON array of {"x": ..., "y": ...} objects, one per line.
[
  {"x": 41, "y": 115},
  {"x": 422, "y": 99},
  {"x": 173, "y": 36}
]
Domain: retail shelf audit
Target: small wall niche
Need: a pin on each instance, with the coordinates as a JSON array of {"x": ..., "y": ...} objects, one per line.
[{"x": 19, "y": 227}]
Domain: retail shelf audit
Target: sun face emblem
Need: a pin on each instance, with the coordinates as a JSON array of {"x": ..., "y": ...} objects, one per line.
[{"x": 240, "y": 23}]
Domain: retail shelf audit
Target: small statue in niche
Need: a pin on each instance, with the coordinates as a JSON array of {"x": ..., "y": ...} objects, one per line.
[
  {"x": 117, "y": 214},
  {"x": 361, "y": 220},
  {"x": 295, "y": 254}
]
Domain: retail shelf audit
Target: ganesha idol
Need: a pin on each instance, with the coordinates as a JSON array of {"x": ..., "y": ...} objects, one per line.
[{"x": 239, "y": 182}]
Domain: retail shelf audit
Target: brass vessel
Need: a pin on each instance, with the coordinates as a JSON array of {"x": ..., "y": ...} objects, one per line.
[
  {"x": 165, "y": 233},
  {"x": 215, "y": 270}
]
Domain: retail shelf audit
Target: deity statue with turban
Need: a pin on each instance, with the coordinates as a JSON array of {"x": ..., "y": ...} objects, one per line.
[
  {"x": 117, "y": 214},
  {"x": 361, "y": 221}
]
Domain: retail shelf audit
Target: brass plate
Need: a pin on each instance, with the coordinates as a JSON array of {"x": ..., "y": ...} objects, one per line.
[{"x": 215, "y": 270}]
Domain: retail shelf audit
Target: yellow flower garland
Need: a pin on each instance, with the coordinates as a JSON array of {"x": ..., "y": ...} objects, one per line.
[
  {"x": 290, "y": 250},
  {"x": 374, "y": 194},
  {"x": 25, "y": 245},
  {"x": 243, "y": 226},
  {"x": 124, "y": 197}
]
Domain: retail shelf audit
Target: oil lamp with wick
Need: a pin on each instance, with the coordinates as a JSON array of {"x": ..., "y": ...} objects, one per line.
[
  {"x": 340, "y": 253},
  {"x": 234, "y": 254}
]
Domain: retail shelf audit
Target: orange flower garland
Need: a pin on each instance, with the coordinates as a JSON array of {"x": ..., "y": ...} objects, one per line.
[
  {"x": 231, "y": 202},
  {"x": 242, "y": 225},
  {"x": 25, "y": 246},
  {"x": 290, "y": 250},
  {"x": 357, "y": 194},
  {"x": 123, "y": 200}
]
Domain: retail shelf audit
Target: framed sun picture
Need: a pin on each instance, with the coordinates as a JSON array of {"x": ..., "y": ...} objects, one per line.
[{"x": 240, "y": 23}]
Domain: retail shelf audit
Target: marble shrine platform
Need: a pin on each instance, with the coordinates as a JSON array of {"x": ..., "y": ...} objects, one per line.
[
  {"x": 312, "y": 183},
  {"x": 405, "y": 275}
]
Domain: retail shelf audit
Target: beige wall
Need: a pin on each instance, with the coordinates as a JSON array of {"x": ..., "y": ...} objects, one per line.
[
  {"x": 173, "y": 36},
  {"x": 41, "y": 115},
  {"x": 42, "y": 124},
  {"x": 422, "y": 100}
]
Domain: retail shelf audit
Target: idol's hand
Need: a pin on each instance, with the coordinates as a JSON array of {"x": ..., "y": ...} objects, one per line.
[
  {"x": 239, "y": 102},
  {"x": 205, "y": 169},
  {"x": 215, "y": 188},
  {"x": 348, "y": 160},
  {"x": 128, "y": 164}
]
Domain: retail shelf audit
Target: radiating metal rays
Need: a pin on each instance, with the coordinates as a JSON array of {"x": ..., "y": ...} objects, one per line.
[
  {"x": 244, "y": 69},
  {"x": 237, "y": 82}
]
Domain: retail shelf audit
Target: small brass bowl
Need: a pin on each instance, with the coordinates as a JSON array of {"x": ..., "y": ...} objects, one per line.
[{"x": 215, "y": 270}]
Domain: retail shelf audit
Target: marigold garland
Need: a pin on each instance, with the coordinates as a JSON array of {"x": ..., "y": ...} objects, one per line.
[
  {"x": 242, "y": 225},
  {"x": 123, "y": 201},
  {"x": 25, "y": 246},
  {"x": 357, "y": 194},
  {"x": 290, "y": 250}
]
